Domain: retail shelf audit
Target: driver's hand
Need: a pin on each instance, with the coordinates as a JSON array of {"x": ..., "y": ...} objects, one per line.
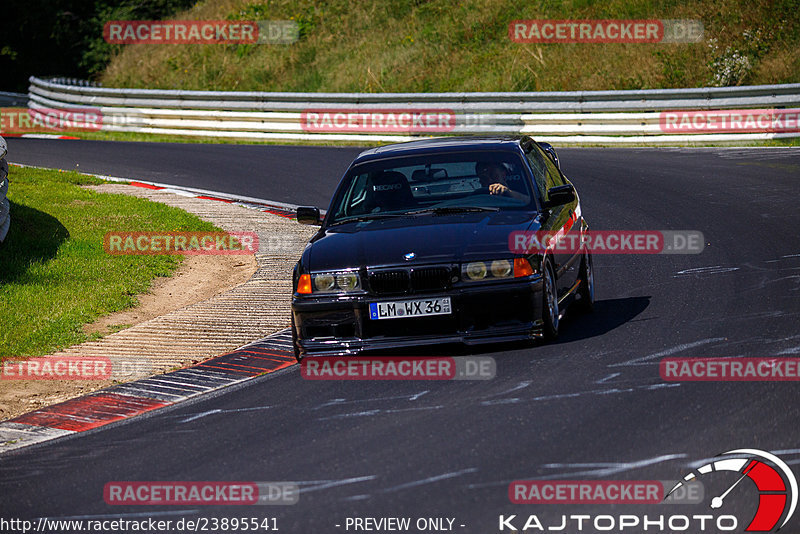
[{"x": 497, "y": 189}]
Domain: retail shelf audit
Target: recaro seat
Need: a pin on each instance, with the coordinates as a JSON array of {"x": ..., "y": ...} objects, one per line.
[{"x": 391, "y": 192}]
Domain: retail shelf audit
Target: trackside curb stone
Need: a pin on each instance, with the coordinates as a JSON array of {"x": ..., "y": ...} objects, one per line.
[{"x": 130, "y": 399}]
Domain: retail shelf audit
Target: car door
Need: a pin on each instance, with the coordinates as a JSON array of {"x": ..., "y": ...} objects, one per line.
[{"x": 557, "y": 220}]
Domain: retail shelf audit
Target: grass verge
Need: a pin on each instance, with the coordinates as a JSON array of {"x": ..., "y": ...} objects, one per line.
[
  {"x": 440, "y": 46},
  {"x": 54, "y": 274}
]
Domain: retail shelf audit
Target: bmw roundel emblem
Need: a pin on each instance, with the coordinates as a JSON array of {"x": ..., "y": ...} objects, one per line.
[{"x": 409, "y": 256}]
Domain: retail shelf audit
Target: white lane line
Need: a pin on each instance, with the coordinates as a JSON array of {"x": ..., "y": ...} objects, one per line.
[
  {"x": 317, "y": 485},
  {"x": 613, "y": 391},
  {"x": 511, "y": 400},
  {"x": 430, "y": 480},
  {"x": 593, "y": 469},
  {"x": 215, "y": 411},
  {"x": 332, "y": 402},
  {"x": 557, "y": 396},
  {"x": 357, "y": 498},
  {"x": 198, "y": 416},
  {"x": 645, "y": 360},
  {"x": 715, "y": 269},
  {"x": 561, "y": 396},
  {"x": 609, "y": 377},
  {"x": 704, "y": 461},
  {"x": 783, "y": 258},
  {"x": 341, "y": 402},
  {"x": 662, "y": 386},
  {"x": 602, "y": 469},
  {"x": 368, "y": 413},
  {"x": 521, "y": 385}
]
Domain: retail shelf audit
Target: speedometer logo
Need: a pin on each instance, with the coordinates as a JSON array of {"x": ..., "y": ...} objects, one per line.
[{"x": 777, "y": 485}]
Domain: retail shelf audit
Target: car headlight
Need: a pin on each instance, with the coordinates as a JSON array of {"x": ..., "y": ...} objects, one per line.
[
  {"x": 324, "y": 282},
  {"x": 347, "y": 281},
  {"x": 476, "y": 271},
  {"x": 501, "y": 268},
  {"x": 335, "y": 282}
]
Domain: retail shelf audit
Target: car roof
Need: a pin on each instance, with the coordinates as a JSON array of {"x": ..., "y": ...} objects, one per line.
[{"x": 438, "y": 145}]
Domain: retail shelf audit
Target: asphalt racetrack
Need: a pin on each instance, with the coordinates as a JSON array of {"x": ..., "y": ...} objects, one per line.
[{"x": 590, "y": 406}]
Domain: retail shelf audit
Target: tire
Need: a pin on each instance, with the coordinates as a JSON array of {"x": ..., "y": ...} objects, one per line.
[
  {"x": 585, "y": 302},
  {"x": 295, "y": 344},
  {"x": 550, "y": 311}
]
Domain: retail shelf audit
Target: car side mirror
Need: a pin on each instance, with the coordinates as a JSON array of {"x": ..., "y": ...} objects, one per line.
[
  {"x": 560, "y": 195},
  {"x": 308, "y": 215},
  {"x": 548, "y": 148}
]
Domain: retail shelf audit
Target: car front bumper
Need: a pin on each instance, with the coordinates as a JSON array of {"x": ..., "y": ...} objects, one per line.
[{"x": 487, "y": 313}]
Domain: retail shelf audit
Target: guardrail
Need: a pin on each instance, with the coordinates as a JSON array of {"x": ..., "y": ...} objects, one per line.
[
  {"x": 572, "y": 116},
  {"x": 5, "y": 207}
]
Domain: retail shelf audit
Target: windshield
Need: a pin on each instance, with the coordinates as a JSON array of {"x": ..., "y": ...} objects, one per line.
[{"x": 443, "y": 182}]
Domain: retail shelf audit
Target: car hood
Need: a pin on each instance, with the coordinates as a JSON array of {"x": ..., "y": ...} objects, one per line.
[{"x": 431, "y": 238}]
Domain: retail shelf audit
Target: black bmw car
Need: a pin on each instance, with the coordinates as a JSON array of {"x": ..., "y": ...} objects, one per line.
[{"x": 415, "y": 249}]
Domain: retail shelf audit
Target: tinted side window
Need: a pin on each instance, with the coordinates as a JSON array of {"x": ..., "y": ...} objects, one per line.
[
  {"x": 539, "y": 168},
  {"x": 553, "y": 174}
]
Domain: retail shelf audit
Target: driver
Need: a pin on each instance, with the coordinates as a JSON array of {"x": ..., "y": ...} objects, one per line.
[{"x": 493, "y": 177}]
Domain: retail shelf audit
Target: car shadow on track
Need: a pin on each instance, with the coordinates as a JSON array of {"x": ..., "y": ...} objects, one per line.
[{"x": 608, "y": 315}]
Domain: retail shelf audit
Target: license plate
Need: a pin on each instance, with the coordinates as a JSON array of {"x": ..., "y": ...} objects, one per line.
[{"x": 409, "y": 308}]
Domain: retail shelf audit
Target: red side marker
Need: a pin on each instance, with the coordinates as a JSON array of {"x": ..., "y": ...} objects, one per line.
[
  {"x": 90, "y": 412},
  {"x": 146, "y": 186}
]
